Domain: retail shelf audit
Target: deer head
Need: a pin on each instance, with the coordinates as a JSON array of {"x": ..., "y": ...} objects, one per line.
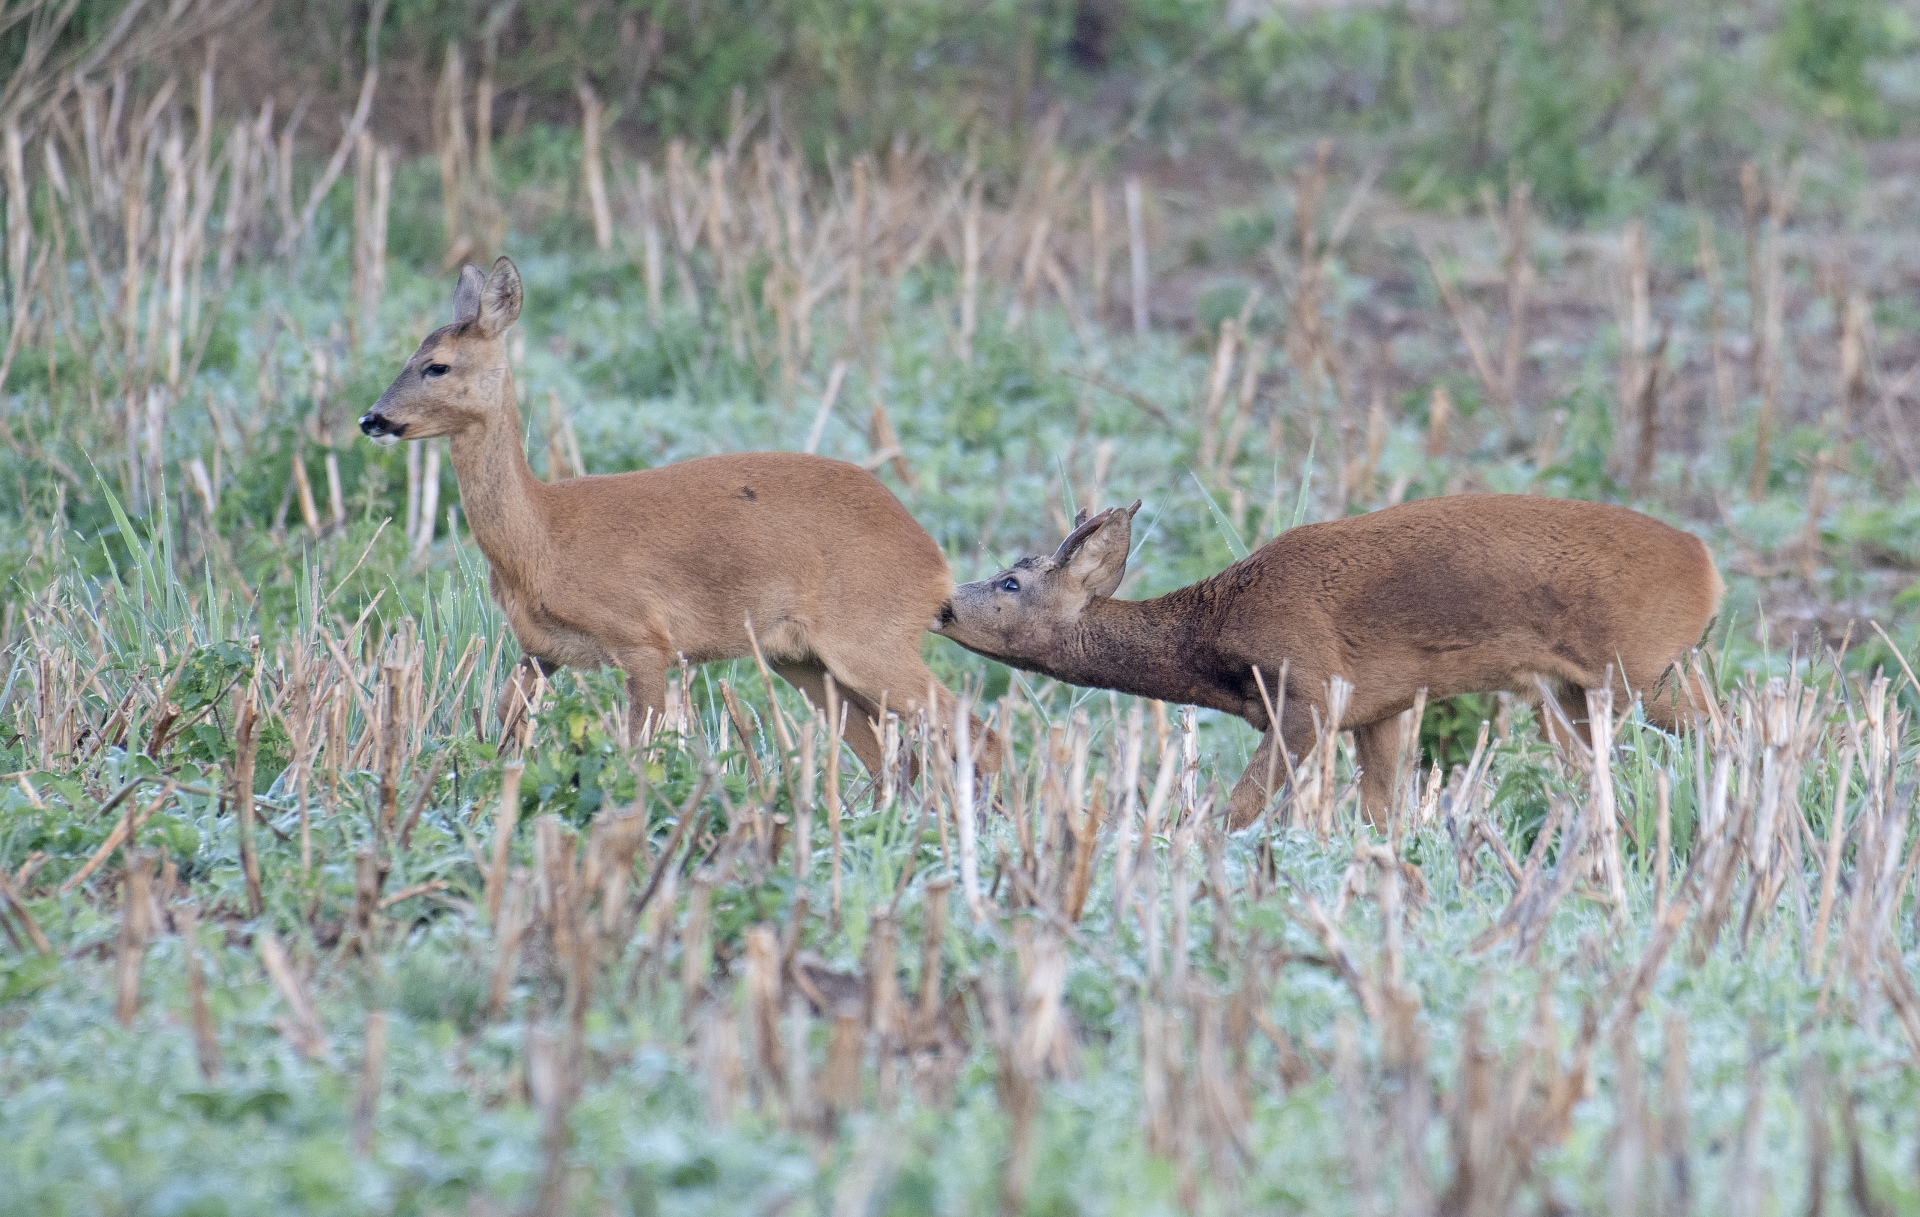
[
  {"x": 1028, "y": 611},
  {"x": 457, "y": 379}
]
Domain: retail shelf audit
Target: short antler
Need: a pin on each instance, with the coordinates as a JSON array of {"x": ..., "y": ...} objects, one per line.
[{"x": 1085, "y": 526}]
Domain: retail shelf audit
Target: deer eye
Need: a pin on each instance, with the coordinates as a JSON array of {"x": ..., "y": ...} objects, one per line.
[
  {"x": 436, "y": 369},
  {"x": 1009, "y": 584}
]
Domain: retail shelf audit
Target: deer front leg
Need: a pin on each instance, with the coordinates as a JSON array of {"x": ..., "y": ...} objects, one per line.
[
  {"x": 1257, "y": 784},
  {"x": 646, "y": 693},
  {"x": 1377, "y": 747},
  {"x": 1267, "y": 770},
  {"x": 516, "y": 696}
]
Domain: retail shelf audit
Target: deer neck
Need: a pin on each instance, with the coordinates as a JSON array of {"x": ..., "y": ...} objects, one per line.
[
  {"x": 1150, "y": 648},
  {"x": 498, "y": 493}
]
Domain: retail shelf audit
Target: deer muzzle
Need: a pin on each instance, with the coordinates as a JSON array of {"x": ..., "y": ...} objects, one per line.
[{"x": 381, "y": 430}]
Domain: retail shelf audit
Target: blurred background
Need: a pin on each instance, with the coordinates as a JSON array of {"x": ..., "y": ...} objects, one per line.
[{"x": 1606, "y": 108}]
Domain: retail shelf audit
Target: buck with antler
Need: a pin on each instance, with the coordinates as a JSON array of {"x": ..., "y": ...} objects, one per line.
[
  {"x": 1463, "y": 594},
  {"x": 811, "y": 558}
]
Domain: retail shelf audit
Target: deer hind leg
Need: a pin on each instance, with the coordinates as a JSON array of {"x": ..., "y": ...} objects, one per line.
[
  {"x": 810, "y": 677},
  {"x": 904, "y": 682},
  {"x": 807, "y": 675},
  {"x": 1673, "y": 699},
  {"x": 862, "y": 715}
]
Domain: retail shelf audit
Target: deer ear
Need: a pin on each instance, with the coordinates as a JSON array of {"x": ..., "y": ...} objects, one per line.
[
  {"x": 500, "y": 299},
  {"x": 466, "y": 294},
  {"x": 1099, "y": 559}
]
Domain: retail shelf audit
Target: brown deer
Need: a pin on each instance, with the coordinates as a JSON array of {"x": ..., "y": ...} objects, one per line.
[
  {"x": 1462, "y": 594},
  {"x": 812, "y": 558}
]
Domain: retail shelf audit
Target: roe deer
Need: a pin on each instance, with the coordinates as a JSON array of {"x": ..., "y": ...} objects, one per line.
[
  {"x": 1464, "y": 594},
  {"x": 812, "y": 557}
]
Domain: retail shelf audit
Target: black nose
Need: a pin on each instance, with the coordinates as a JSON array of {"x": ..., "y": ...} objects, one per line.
[{"x": 377, "y": 425}]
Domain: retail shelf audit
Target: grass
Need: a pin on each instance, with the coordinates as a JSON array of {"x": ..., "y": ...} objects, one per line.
[{"x": 1134, "y": 1012}]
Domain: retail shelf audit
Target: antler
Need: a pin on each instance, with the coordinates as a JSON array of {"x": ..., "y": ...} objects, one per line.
[
  {"x": 1078, "y": 537},
  {"x": 1085, "y": 526}
]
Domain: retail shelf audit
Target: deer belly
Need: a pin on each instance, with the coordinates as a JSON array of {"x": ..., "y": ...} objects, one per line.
[{"x": 542, "y": 633}]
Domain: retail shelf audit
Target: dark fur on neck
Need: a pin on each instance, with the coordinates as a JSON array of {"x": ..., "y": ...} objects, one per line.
[{"x": 1161, "y": 648}]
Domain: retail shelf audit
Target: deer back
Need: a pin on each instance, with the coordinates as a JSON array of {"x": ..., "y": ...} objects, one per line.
[{"x": 796, "y": 544}]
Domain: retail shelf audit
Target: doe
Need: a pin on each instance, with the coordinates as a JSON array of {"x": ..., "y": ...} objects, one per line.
[
  {"x": 812, "y": 558},
  {"x": 1460, "y": 594}
]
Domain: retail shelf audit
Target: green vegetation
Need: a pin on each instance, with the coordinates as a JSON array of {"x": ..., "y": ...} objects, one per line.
[{"x": 291, "y": 924}]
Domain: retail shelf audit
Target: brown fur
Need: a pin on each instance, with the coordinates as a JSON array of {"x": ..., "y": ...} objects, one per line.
[
  {"x": 639, "y": 569},
  {"x": 1463, "y": 594}
]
